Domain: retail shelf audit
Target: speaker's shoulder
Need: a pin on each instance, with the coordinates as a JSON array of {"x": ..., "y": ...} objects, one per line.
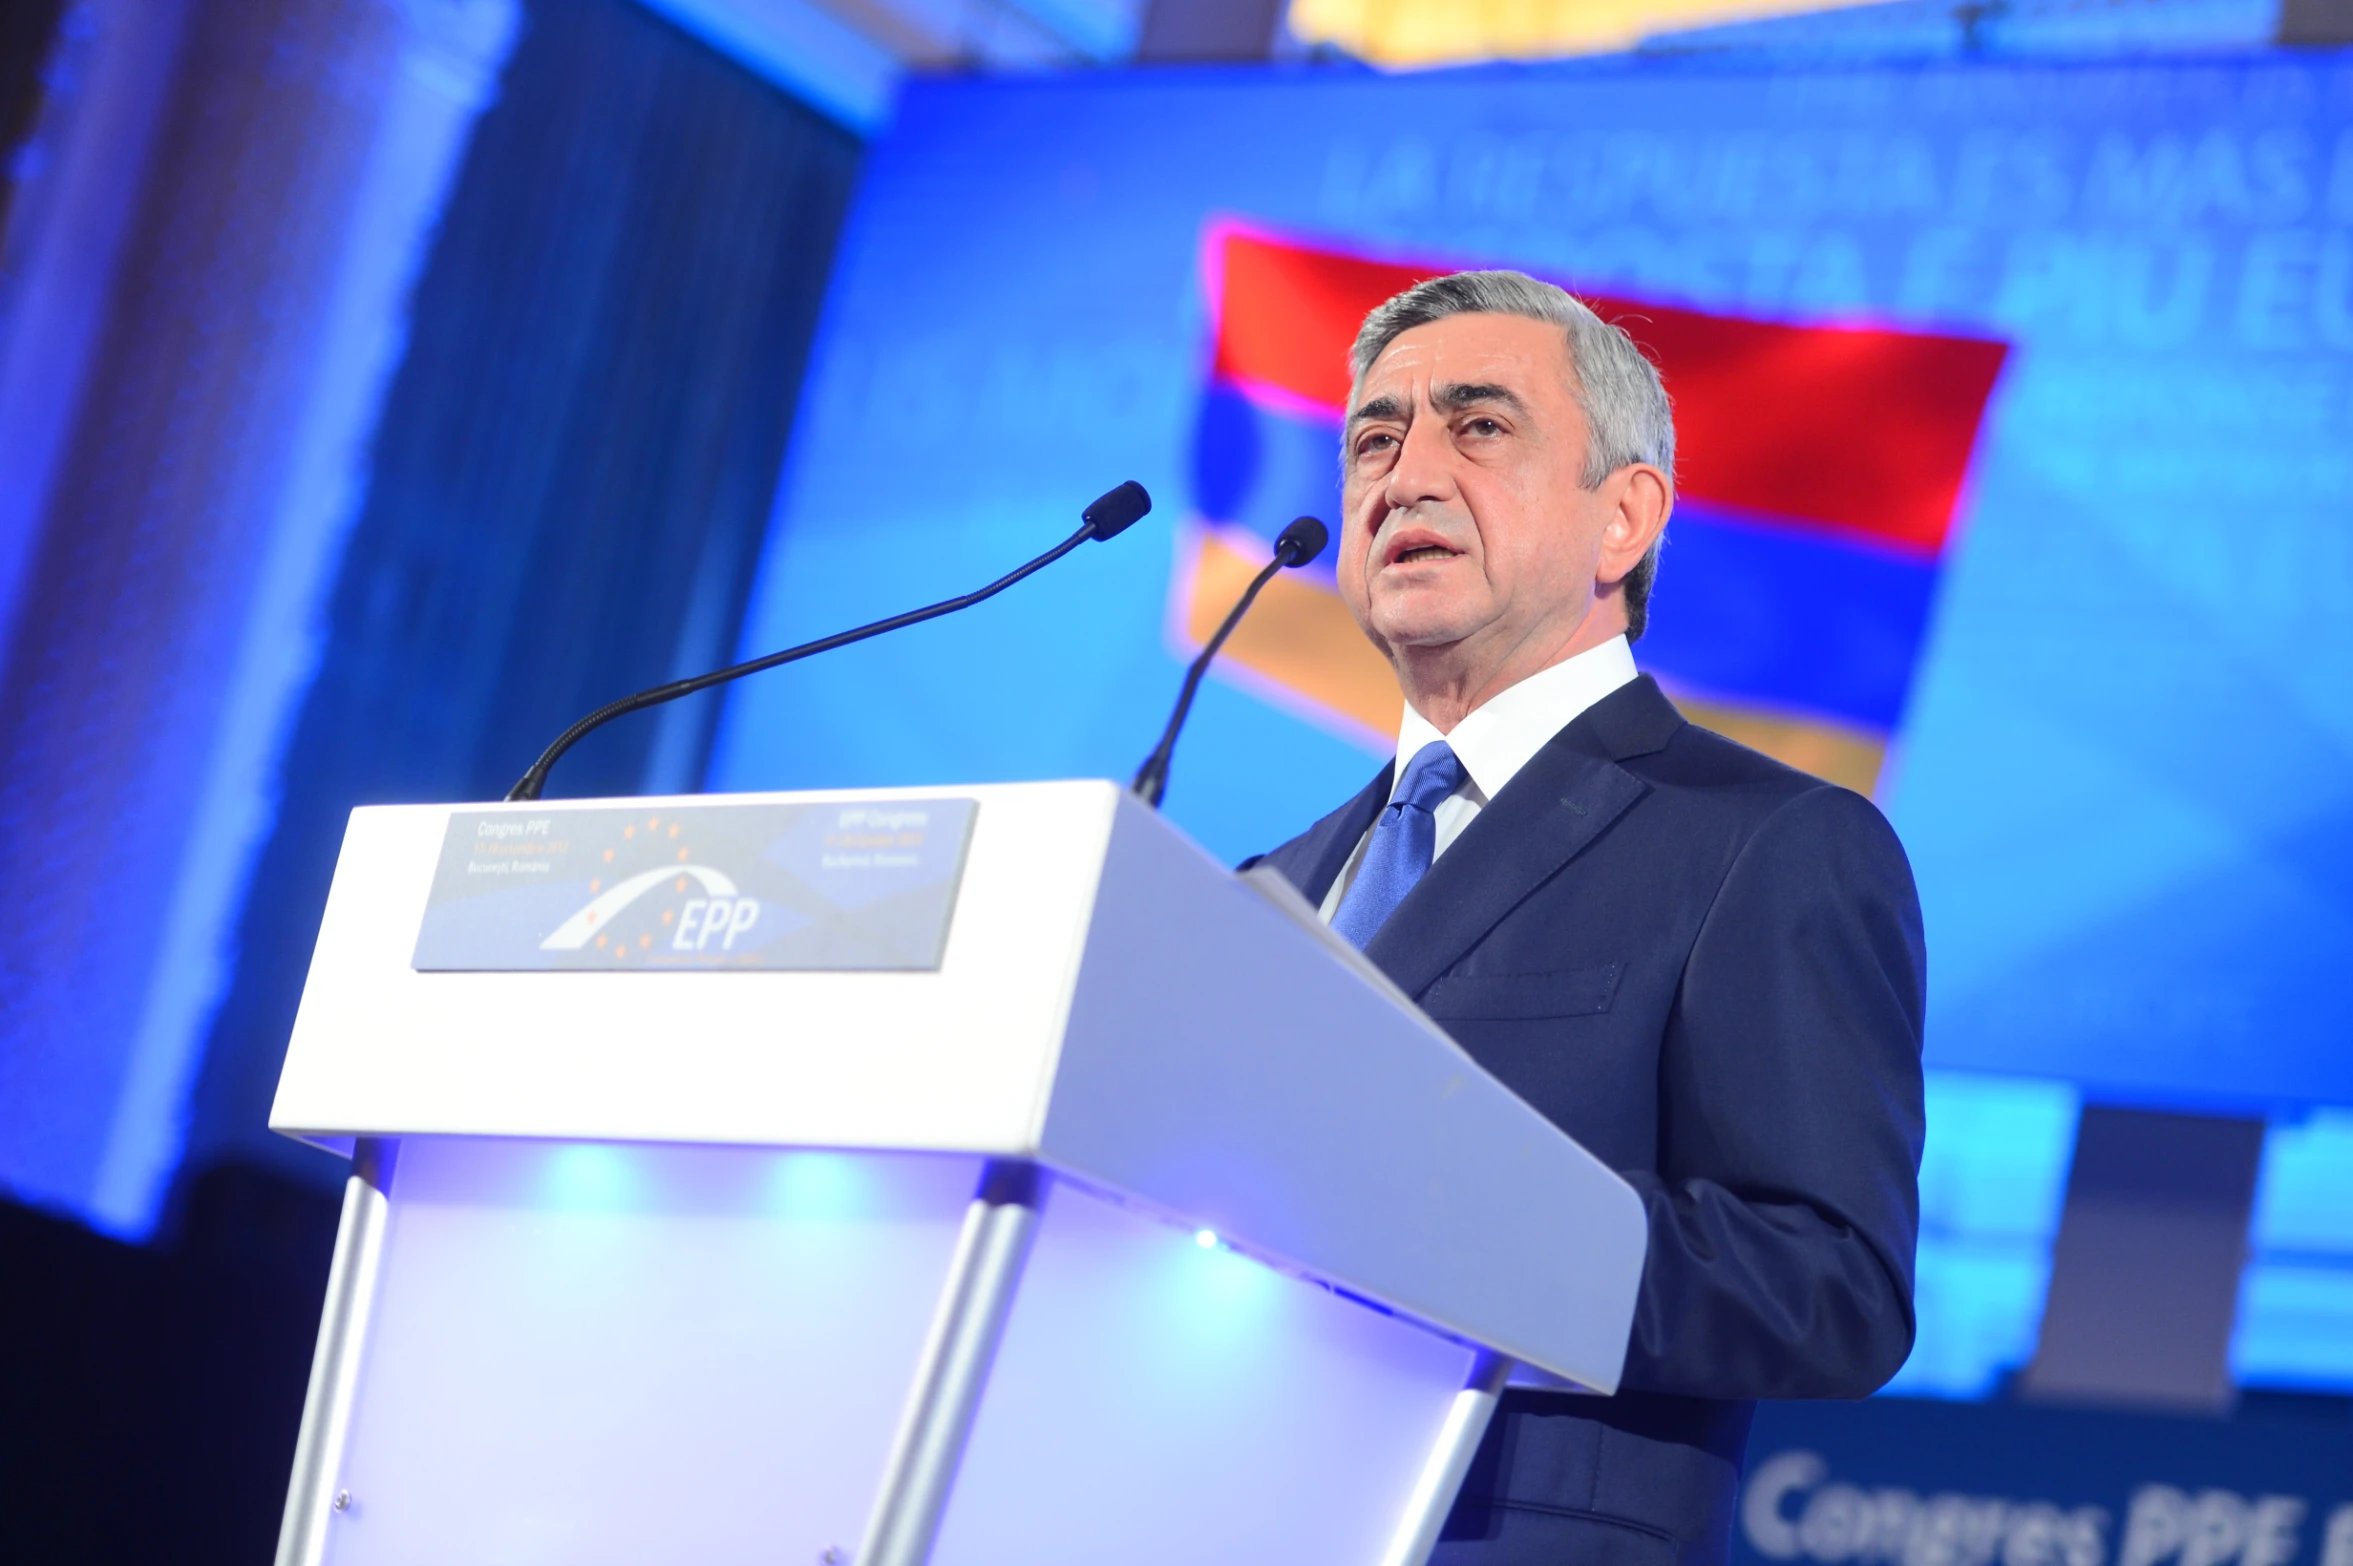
[
  {"x": 1703, "y": 758},
  {"x": 1711, "y": 776}
]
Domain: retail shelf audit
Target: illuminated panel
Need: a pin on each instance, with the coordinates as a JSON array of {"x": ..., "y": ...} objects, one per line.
[
  {"x": 1162, "y": 1402},
  {"x": 1819, "y": 472},
  {"x": 2298, "y": 1295},
  {"x": 597, "y": 1353},
  {"x": 1432, "y": 32}
]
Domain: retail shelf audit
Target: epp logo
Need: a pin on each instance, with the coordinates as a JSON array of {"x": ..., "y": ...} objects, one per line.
[
  {"x": 719, "y": 918},
  {"x": 714, "y": 918}
]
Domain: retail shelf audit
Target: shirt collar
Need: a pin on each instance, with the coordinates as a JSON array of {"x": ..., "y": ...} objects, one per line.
[{"x": 1504, "y": 733}]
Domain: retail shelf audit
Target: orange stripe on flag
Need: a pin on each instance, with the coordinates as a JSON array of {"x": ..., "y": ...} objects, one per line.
[
  {"x": 1300, "y": 637},
  {"x": 1846, "y": 756}
]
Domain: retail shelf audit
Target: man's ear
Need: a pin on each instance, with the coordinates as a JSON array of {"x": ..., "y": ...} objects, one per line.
[{"x": 1640, "y": 500}]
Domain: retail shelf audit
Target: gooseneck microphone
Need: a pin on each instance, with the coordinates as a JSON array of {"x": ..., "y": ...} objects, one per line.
[
  {"x": 1109, "y": 516},
  {"x": 1301, "y": 542}
]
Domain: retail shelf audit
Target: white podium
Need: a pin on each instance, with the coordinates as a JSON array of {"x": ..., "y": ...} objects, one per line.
[{"x": 1010, "y": 1183}]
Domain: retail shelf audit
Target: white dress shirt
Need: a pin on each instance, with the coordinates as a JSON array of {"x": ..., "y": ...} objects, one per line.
[{"x": 1497, "y": 739}]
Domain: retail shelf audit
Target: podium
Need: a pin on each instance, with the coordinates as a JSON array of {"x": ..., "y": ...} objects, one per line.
[{"x": 973, "y": 1175}]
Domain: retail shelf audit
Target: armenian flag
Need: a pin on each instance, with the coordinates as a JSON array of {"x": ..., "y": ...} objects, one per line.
[{"x": 1820, "y": 470}]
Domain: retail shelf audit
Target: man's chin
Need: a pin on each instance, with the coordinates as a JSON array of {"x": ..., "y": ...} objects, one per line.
[{"x": 1421, "y": 634}]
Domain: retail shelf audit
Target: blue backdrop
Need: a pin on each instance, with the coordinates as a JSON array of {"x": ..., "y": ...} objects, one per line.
[{"x": 2123, "y": 773}]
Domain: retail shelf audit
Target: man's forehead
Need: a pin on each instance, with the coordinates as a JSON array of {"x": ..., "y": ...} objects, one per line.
[{"x": 1481, "y": 347}]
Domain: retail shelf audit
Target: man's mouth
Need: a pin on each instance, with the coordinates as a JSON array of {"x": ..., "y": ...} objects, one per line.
[{"x": 1413, "y": 545}]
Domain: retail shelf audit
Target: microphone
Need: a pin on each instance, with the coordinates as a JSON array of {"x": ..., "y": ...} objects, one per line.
[
  {"x": 1110, "y": 515},
  {"x": 1301, "y": 542}
]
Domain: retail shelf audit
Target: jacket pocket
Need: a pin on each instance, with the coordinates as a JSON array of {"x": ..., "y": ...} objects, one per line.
[{"x": 1565, "y": 992}]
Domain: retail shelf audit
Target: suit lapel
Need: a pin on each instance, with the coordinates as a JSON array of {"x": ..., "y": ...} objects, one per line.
[
  {"x": 1565, "y": 797},
  {"x": 1312, "y": 861}
]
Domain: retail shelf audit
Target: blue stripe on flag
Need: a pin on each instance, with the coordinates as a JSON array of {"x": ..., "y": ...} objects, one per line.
[
  {"x": 1789, "y": 619},
  {"x": 1257, "y": 468}
]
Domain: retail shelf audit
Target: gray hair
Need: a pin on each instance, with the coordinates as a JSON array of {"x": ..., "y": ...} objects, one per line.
[{"x": 1627, "y": 415}]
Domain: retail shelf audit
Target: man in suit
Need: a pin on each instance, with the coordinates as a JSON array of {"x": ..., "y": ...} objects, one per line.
[{"x": 1703, "y": 965}]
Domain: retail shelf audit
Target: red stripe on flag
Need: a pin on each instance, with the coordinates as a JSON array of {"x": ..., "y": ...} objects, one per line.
[
  {"x": 1287, "y": 314},
  {"x": 1859, "y": 429}
]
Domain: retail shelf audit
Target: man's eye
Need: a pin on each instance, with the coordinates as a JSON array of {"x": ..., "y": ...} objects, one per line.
[
  {"x": 1373, "y": 445},
  {"x": 1483, "y": 427}
]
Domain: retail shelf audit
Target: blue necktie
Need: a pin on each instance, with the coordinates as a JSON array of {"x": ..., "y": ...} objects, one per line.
[{"x": 1405, "y": 840}]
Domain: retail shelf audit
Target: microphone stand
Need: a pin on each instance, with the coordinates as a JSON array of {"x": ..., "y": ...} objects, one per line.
[
  {"x": 1106, "y": 518},
  {"x": 1301, "y": 542}
]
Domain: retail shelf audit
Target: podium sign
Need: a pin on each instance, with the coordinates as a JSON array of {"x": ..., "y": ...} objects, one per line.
[
  {"x": 1145, "y": 1222},
  {"x": 825, "y": 887}
]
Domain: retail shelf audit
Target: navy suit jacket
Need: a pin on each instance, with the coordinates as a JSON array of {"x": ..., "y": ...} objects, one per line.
[{"x": 1707, "y": 968}]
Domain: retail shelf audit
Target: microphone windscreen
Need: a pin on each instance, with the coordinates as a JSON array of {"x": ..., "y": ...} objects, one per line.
[
  {"x": 1114, "y": 513},
  {"x": 1302, "y": 541}
]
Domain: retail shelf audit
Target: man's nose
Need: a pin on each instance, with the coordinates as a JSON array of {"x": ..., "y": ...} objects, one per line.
[{"x": 1424, "y": 470}]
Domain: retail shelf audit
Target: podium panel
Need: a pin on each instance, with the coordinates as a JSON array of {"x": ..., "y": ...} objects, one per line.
[
  {"x": 601, "y": 1353},
  {"x": 1156, "y": 1403},
  {"x": 605, "y": 1353}
]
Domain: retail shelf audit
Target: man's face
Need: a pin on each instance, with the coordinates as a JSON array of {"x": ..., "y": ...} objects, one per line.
[{"x": 1463, "y": 519}]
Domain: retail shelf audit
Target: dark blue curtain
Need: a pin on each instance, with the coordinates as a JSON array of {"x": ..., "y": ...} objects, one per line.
[
  {"x": 28, "y": 29},
  {"x": 571, "y": 478}
]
